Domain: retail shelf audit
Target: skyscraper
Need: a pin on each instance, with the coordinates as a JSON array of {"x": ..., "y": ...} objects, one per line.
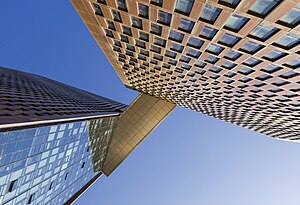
[
  {"x": 56, "y": 140},
  {"x": 234, "y": 60}
]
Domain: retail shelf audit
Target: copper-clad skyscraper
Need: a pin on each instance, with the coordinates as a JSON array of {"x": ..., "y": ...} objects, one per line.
[{"x": 235, "y": 60}]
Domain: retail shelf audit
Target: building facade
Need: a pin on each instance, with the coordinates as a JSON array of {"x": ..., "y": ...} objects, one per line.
[
  {"x": 236, "y": 60},
  {"x": 57, "y": 140}
]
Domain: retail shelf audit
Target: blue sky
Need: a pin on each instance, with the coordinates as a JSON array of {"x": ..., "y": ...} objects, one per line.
[{"x": 189, "y": 159}]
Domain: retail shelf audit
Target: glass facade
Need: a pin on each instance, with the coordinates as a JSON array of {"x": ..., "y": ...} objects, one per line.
[{"x": 48, "y": 165}]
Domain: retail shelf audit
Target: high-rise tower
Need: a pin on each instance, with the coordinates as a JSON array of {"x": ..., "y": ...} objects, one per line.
[{"x": 235, "y": 60}]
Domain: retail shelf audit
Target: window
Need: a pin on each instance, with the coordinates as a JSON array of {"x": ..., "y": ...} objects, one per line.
[
  {"x": 144, "y": 36},
  {"x": 292, "y": 18},
  {"x": 229, "y": 3},
  {"x": 186, "y": 25},
  {"x": 288, "y": 41},
  {"x": 295, "y": 63},
  {"x": 186, "y": 66},
  {"x": 97, "y": 9},
  {"x": 289, "y": 74},
  {"x": 177, "y": 47},
  {"x": 66, "y": 176},
  {"x": 176, "y": 36},
  {"x": 127, "y": 30},
  {"x": 156, "y": 29},
  {"x": 143, "y": 11},
  {"x": 200, "y": 64},
  {"x": 194, "y": 42},
  {"x": 118, "y": 43},
  {"x": 12, "y": 185},
  {"x": 164, "y": 18},
  {"x": 245, "y": 71},
  {"x": 171, "y": 54},
  {"x": 208, "y": 33},
  {"x": 140, "y": 44},
  {"x": 228, "y": 64},
  {"x": 215, "y": 69},
  {"x": 263, "y": 31},
  {"x": 252, "y": 62},
  {"x": 111, "y": 25},
  {"x": 124, "y": 38},
  {"x": 193, "y": 53},
  {"x": 109, "y": 33},
  {"x": 232, "y": 55},
  {"x": 155, "y": 49},
  {"x": 184, "y": 6},
  {"x": 229, "y": 40},
  {"x": 185, "y": 59},
  {"x": 143, "y": 52},
  {"x": 50, "y": 187},
  {"x": 251, "y": 47},
  {"x": 271, "y": 68},
  {"x": 172, "y": 62},
  {"x": 210, "y": 14},
  {"x": 122, "y": 5},
  {"x": 159, "y": 41},
  {"x": 136, "y": 22},
  {"x": 157, "y": 2},
  {"x": 211, "y": 59},
  {"x": 212, "y": 48},
  {"x": 274, "y": 55},
  {"x": 117, "y": 49},
  {"x": 235, "y": 22},
  {"x": 130, "y": 47},
  {"x": 82, "y": 166},
  {"x": 117, "y": 16},
  {"x": 261, "y": 8}
]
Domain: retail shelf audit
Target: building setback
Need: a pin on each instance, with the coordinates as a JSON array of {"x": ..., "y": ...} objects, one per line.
[
  {"x": 57, "y": 140},
  {"x": 234, "y": 60}
]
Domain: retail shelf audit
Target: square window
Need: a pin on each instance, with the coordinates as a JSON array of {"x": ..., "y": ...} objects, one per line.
[
  {"x": 271, "y": 68},
  {"x": 194, "y": 42},
  {"x": 229, "y": 40},
  {"x": 111, "y": 25},
  {"x": 251, "y": 47},
  {"x": 176, "y": 36},
  {"x": 292, "y": 18},
  {"x": 235, "y": 22},
  {"x": 200, "y": 64},
  {"x": 295, "y": 63},
  {"x": 130, "y": 47},
  {"x": 117, "y": 16},
  {"x": 156, "y": 29},
  {"x": 289, "y": 74},
  {"x": 97, "y": 9},
  {"x": 186, "y": 25},
  {"x": 140, "y": 44},
  {"x": 159, "y": 41},
  {"x": 171, "y": 54},
  {"x": 185, "y": 59},
  {"x": 208, "y": 33},
  {"x": 143, "y": 52},
  {"x": 229, "y": 3},
  {"x": 229, "y": 65},
  {"x": 143, "y": 11},
  {"x": 177, "y": 47},
  {"x": 144, "y": 36},
  {"x": 214, "y": 49},
  {"x": 109, "y": 33},
  {"x": 210, "y": 14},
  {"x": 129, "y": 53},
  {"x": 117, "y": 49},
  {"x": 252, "y": 62},
  {"x": 215, "y": 69},
  {"x": 263, "y": 31},
  {"x": 127, "y": 30},
  {"x": 136, "y": 22},
  {"x": 157, "y": 2},
  {"x": 102, "y": 1},
  {"x": 155, "y": 49},
  {"x": 184, "y": 6},
  {"x": 12, "y": 186},
  {"x": 186, "y": 66},
  {"x": 172, "y": 62},
  {"x": 164, "y": 18},
  {"x": 274, "y": 55},
  {"x": 122, "y": 5},
  {"x": 193, "y": 53},
  {"x": 288, "y": 41},
  {"x": 211, "y": 59},
  {"x": 261, "y": 8},
  {"x": 245, "y": 71},
  {"x": 117, "y": 43},
  {"x": 232, "y": 55}
]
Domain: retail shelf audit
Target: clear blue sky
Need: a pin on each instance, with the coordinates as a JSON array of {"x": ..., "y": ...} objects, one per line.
[{"x": 190, "y": 159}]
